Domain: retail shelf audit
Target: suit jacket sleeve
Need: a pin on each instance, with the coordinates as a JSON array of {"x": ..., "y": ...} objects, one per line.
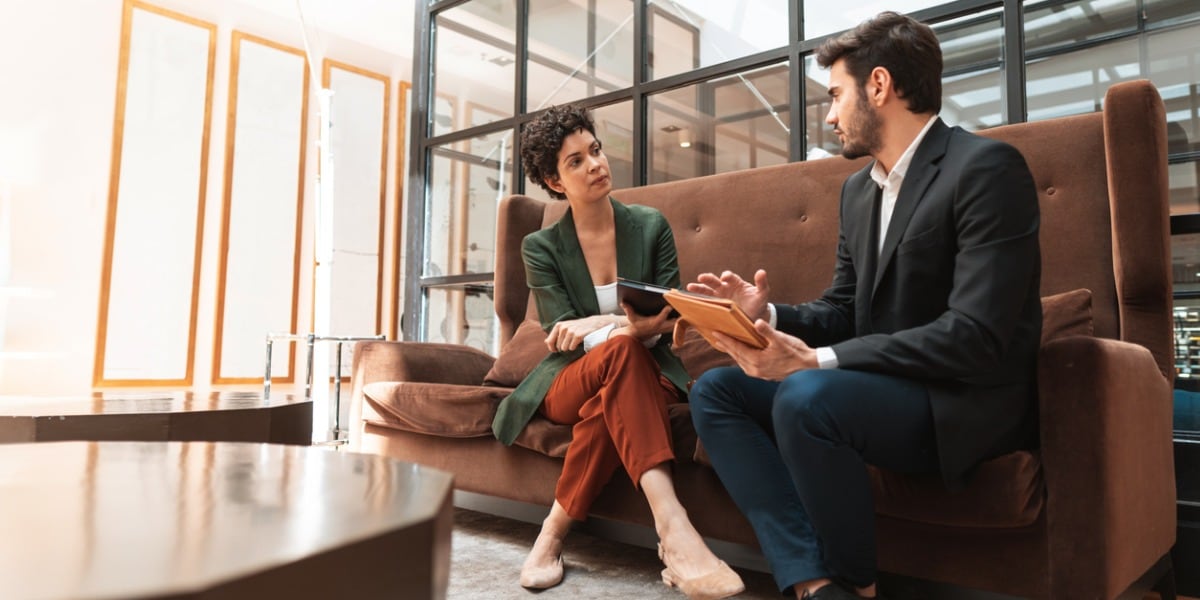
[{"x": 996, "y": 262}]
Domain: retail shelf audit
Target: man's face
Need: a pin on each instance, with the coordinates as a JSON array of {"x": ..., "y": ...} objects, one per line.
[{"x": 854, "y": 120}]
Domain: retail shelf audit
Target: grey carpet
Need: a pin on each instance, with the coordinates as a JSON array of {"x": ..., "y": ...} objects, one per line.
[{"x": 487, "y": 552}]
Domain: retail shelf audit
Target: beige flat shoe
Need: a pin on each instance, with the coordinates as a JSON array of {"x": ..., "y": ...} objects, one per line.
[
  {"x": 540, "y": 578},
  {"x": 721, "y": 582}
]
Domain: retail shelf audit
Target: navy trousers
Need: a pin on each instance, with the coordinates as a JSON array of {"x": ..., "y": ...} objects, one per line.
[{"x": 794, "y": 454}]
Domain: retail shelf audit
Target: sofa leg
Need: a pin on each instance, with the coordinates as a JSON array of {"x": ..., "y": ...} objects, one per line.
[{"x": 1165, "y": 585}]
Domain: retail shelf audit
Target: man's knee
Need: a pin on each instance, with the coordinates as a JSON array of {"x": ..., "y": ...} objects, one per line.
[
  {"x": 715, "y": 386},
  {"x": 805, "y": 400}
]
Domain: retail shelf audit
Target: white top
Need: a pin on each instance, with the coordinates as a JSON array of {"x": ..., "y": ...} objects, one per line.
[{"x": 606, "y": 297}]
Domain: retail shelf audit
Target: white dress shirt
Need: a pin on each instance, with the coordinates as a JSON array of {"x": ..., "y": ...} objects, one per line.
[{"x": 890, "y": 183}]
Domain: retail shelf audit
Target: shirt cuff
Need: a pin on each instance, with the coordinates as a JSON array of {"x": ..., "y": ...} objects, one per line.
[
  {"x": 772, "y": 318},
  {"x": 826, "y": 358},
  {"x": 597, "y": 337}
]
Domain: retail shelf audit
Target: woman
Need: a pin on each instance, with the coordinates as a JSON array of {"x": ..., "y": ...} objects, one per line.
[{"x": 611, "y": 373}]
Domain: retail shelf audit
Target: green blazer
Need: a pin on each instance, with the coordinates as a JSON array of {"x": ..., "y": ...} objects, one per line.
[{"x": 558, "y": 278}]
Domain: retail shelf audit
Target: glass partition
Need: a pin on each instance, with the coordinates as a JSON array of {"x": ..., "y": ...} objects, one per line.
[
  {"x": 725, "y": 124},
  {"x": 688, "y": 34},
  {"x": 578, "y": 49},
  {"x": 474, "y": 54},
  {"x": 822, "y": 17},
  {"x": 467, "y": 182},
  {"x": 463, "y": 315}
]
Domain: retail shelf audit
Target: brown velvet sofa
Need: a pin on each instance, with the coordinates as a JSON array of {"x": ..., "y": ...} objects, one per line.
[{"x": 1084, "y": 516}]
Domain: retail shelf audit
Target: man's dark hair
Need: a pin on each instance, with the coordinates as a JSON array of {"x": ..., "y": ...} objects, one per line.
[
  {"x": 542, "y": 138},
  {"x": 907, "y": 48}
]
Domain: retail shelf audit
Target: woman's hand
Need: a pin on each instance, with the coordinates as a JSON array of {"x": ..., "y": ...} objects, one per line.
[
  {"x": 752, "y": 298},
  {"x": 643, "y": 327},
  {"x": 565, "y": 336}
]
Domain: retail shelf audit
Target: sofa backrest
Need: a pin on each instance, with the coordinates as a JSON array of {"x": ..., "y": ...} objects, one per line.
[{"x": 1102, "y": 186}]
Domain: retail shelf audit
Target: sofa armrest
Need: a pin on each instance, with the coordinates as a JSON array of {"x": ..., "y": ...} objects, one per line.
[
  {"x": 1106, "y": 414},
  {"x": 412, "y": 361}
]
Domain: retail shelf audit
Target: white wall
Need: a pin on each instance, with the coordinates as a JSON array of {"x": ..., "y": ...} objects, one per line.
[{"x": 59, "y": 68}]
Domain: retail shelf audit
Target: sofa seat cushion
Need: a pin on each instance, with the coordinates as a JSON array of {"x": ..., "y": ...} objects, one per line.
[
  {"x": 440, "y": 409},
  {"x": 1006, "y": 491}
]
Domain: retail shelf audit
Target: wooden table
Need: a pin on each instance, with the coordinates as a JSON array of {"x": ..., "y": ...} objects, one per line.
[
  {"x": 84, "y": 520},
  {"x": 158, "y": 416}
]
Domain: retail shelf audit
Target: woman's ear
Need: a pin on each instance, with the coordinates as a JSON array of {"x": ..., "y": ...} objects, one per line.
[{"x": 554, "y": 184}]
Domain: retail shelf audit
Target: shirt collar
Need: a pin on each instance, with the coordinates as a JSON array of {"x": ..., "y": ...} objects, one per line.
[{"x": 901, "y": 166}]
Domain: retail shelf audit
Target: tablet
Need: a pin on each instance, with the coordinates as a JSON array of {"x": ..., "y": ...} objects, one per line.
[{"x": 644, "y": 298}]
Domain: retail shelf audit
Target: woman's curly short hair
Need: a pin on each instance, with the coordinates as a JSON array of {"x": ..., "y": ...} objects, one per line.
[{"x": 542, "y": 138}]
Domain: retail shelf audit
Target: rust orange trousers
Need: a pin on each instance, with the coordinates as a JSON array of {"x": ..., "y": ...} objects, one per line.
[{"x": 615, "y": 399}]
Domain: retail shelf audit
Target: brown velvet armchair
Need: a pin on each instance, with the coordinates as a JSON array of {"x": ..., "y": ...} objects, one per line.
[{"x": 1084, "y": 516}]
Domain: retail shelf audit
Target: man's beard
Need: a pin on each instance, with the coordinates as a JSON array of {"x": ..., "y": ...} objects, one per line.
[{"x": 865, "y": 126}]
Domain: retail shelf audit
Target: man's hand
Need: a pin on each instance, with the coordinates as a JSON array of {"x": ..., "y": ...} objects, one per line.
[
  {"x": 565, "y": 336},
  {"x": 751, "y": 298},
  {"x": 783, "y": 355}
]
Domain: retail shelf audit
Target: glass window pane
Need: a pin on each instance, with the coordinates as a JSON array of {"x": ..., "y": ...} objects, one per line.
[
  {"x": 972, "y": 100},
  {"x": 614, "y": 128},
  {"x": 576, "y": 54},
  {"x": 1060, "y": 25},
  {"x": 735, "y": 122},
  {"x": 973, "y": 41},
  {"x": 819, "y": 140},
  {"x": 1175, "y": 70},
  {"x": 474, "y": 60},
  {"x": 973, "y": 55},
  {"x": 1185, "y": 259},
  {"x": 1075, "y": 82},
  {"x": 687, "y": 34},
  {"x": 820, "y": 19},
  {"x": 467, "y": 181},
  {"x": 1185, "y": 191},
  {"x": 1167, "y": 12},
  {"x": 462, "y": 315}
]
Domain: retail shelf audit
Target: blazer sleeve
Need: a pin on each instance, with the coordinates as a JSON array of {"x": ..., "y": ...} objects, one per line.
[
  {"x": 997, "y": 262},
  {"x": 545, "y": 279}
]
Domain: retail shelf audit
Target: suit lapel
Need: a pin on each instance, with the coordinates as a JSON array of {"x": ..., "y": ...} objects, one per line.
[
  {"x": 576, "y": 279},
  {"x": 921, "y": 172},
  {"x": 631, "y": 256}
]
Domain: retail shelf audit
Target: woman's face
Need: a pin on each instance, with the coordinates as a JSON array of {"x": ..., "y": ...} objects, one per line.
[{"x": 582, "y": 169}]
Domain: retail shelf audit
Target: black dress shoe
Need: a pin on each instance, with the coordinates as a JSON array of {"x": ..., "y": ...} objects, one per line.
[{"x": 834, "y": 591}]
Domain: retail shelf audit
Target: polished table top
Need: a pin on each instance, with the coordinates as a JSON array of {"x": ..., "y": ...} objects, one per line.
[
  {"x": 128, "y": 519},
  {"x": 182, "y": 416},
  {"x": 140, "y": 402}
]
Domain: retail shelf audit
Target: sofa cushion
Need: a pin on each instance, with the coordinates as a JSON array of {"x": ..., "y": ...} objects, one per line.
[
  {"x": 1006, "y": 491},
  {"x": 1068, "y": 313},
  {"x": 519, "y": 356},
  {"x": 435, "y": 408}
]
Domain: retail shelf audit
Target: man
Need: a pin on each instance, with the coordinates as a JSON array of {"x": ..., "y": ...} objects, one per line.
[{"x": 920, "y": 356}]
